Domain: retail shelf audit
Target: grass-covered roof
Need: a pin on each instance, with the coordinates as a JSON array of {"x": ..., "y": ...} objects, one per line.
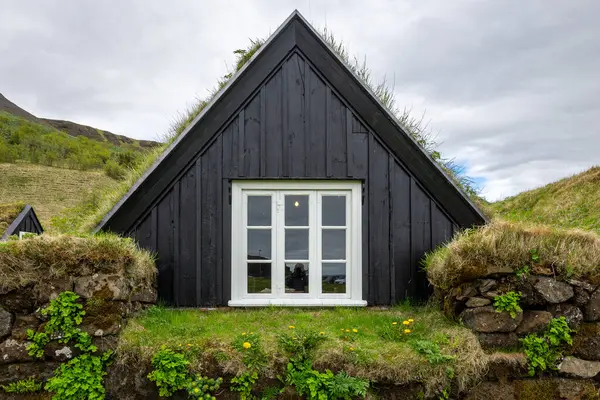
[
  {"x": 417, "y": 127},
  {"x": 474, "y": 253}
]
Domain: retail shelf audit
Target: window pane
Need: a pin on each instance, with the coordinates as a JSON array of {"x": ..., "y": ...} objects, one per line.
[
  {"x": 296, "y": 277},
  {"x": 259, "y": 278},
  {"x": 259, "y": 244},
  {"x": 259, "y": 210},
  {"x": 334, "y": 211},
  {"x": 296, "y": 210},
  {"x": 334, "y": 277},
  {"x": 334, "y": 244},
  {"x": 296, "y": 244}
]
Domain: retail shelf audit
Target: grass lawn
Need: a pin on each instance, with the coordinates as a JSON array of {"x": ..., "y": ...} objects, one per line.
[{"x": 367, "y": 343}]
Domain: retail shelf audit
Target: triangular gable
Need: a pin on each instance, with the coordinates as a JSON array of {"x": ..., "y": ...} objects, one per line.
[
  {"x": 28, "y": 216},
  {"x": 294, "y": 34}
]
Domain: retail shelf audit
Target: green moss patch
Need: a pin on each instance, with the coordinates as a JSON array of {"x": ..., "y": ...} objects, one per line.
[
  {"x": 44, "y": 258},
  {"x": 366, "y": 343},
  {"x": 566, "y": 254}
]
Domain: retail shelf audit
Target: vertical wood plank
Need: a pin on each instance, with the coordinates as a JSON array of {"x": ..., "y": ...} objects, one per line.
[
  {"x": 336, "y": 135},
  {"x": 176, "y": 248},
  {"x": 274, "y": 126},
  {"x": 143, "y": 234},
  {"x": 421, "y": 238},
  {"x": 263, "y": 132},
  {"x": 316, "y": 125},
  {"x": 165, "y": 237},
  {"x": 231, "y": 152},
  {"x": 379, "y": 214},
  {"x": 366, "y": 238},
  {"x": 441, "y": 226},
  {"x": 358, "y": 156},
  {"x": 357, "y": 126},
  {"x": 198, "y": 222},
  {"x": 400, "y": 263},
  {"x": 294, "y": 160},
  {"x": 211, "y": 212},
  {"x": 226, "y": 243},
  {"x": 187, "y": 238},
  {"x": 241, "y": 143},
  {"x": 252, "y": 138}
]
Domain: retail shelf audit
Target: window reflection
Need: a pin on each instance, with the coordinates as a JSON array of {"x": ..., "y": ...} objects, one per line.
[
  {"x": 296, "y": 277},
  {"x": 259, "y": 244},
  {"x": 259, "y": 278},
  {"x": 296, "y": 210},
  {"x": 334, "y": 277},
  {"x": 334, "y": 244},
  {"x": 259, "y": 210},
  {"x": 334, "y": 210}
]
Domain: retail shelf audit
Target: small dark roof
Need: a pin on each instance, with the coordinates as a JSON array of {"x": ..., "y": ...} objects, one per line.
[
  {"x": 294, "y": 33},
  {"x": 26, "y": 217}
]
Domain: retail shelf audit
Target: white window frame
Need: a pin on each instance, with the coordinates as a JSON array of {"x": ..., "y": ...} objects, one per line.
[{"x": 277, "y": 189}]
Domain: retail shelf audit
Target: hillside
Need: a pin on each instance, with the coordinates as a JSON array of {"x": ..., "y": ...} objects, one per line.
[
  {"x": 573, "y": 202},
  {"x": 49, "y": 190},
  {"x": 72, "y": 128}
]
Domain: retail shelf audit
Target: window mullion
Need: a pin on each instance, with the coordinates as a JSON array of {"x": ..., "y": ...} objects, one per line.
[{"x": 316, "y": 248}]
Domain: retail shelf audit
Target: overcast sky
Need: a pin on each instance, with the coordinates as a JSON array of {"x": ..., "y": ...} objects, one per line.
[{"x": 511, "y": 87}]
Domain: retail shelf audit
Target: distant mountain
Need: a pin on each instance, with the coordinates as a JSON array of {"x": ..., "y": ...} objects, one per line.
[{"x": 72, "y": 128}]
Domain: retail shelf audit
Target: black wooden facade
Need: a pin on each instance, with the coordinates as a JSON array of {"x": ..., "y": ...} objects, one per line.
[
  {"x": 295, "y": 112},
  {"x": 26, "y": 221}
]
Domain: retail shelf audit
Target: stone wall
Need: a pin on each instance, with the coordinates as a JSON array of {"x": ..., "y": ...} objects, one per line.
[
  {"x": 543, "y": 298},
  {"x": 107, "y": 299}
]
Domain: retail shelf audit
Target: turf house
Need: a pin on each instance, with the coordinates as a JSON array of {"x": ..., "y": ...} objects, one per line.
[
  {"x": 294, "y": 186},
  {"x": 18, "y": 219}
]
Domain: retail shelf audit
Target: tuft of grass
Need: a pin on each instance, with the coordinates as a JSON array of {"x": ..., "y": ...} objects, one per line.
[
  {"x": 573, "y": 202},
  {"x": 567, "y": 253},
  {"x": 8, "y": 212},
  {"x": 354, "y": 341},
  {"x": 42, "y": 258}
]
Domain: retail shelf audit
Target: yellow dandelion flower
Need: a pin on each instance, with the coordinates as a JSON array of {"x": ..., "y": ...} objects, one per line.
[
  {"x": 247, "y": 345},
  {"x": 411, "y": 320},
  {"x": 355, "y": 330},
  {"x": 291, "y": 327},
  {"x": 252, "y": 333},
  {"x": 243, "y": 333},
  {"x": 347, "y": 330},
  {"x": 196, "y": 390},
  {"x": 394, "y": 323},
  {"x": 351, "y": 348},
  {"x": 407, "y": 331},
  {"x": 342, "y": 329},
  {"x": 321, "y": 333},
  {"x": 406, "y": 322}
]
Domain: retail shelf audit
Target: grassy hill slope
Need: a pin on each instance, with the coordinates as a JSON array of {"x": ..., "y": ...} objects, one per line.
[
  {"x": 49, "y": 190},
  {"x": 72, "y": 128},
  {"x": 572, "y": 202}
]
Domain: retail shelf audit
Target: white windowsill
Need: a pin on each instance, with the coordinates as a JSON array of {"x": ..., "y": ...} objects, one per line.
[{"x": 297, "y": 302}]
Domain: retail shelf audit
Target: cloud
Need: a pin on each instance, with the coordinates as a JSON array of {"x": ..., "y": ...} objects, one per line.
[{"x": 510, "y": 87}]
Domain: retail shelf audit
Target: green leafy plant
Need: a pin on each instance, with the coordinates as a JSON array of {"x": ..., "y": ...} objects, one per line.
[
  {"x": 508, "y": 302},
  {"x": 523, "y": 272},
  {"x": 324, "y": 385},
  {"x": 431, "y": 351},
  {"x": 202, "y": 387},
  {"x": 23, "y": 386},
  {"x": 544, "y": 351},
  {"x": 254, "y": 358},
  {"x": 39, "y": 340},
  {"x": 170, "y": 371},
  {"x": 535, "y": 257},
  {"x": 64, "y": 315},
  {"x": 244, "y": 384},
  {"x": 80, "y": 378},
  {"x": 299, "y": 344}
]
